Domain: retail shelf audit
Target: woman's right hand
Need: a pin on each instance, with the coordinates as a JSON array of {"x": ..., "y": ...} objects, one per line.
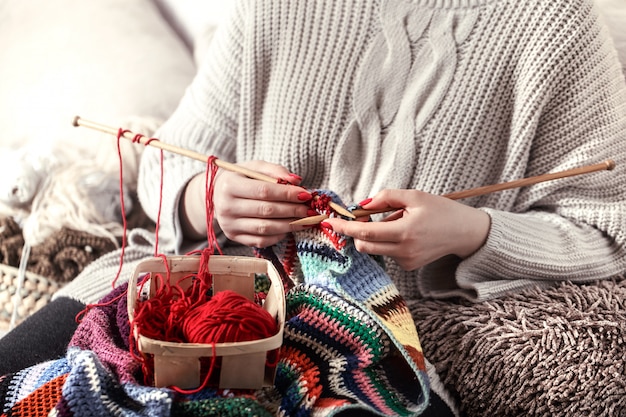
[{"x": 248, "y": 211}]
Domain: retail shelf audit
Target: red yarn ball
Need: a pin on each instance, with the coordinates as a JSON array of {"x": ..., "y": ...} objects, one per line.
[{"x": 227, "y": 317}]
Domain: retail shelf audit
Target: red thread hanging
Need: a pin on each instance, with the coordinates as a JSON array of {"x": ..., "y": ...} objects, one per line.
[
  {"x": 136, "y": 139},
  {"x": 211, "y": 172},
  {"x": 321, "y": 204},
  {"x": 227, "y": 317}
]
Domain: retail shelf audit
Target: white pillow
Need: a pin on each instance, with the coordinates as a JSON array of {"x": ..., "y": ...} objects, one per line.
[
  {"x": 614, "y": 14},
  {"x": 105, "y": 60}
]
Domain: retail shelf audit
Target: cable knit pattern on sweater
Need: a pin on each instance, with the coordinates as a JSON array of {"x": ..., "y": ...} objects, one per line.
[{"x": 440, "y": 96}]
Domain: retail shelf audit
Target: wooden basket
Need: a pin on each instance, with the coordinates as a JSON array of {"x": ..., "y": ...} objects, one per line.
[{"x": 243, "y": 364}]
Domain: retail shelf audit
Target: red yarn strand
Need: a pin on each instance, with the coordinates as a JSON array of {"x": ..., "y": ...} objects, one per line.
[
  {"x": 120, "y": 134},
  {"x": 88, "y": 307}
]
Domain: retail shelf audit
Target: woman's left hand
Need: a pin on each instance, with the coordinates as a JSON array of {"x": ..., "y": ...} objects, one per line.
[{"x": 423, "y": 229}]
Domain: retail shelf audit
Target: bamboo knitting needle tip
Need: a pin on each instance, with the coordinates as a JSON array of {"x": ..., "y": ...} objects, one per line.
[
  {"x": 309, "y": 221},
  {"x": 79, "y": 121},
  {"x": 363, "y": 212},
  {"x": 341, "y": 210}
]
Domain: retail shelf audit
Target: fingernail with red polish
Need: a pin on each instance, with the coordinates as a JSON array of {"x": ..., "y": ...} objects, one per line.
[
  {"x": 365, "y": 202},
  {"x": 311, "y": 212},
  {"x": 295, "y": 176},
  {"x": 304, "y": 196}
]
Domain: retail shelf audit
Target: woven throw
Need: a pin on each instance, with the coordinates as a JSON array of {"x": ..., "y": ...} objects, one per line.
[
  {"x": 349, "y": 343},
  {"x": 544, "y": 352}
]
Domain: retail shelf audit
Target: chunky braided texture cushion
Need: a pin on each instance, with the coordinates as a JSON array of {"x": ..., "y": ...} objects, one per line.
[
  {"x": 552, "y": 352},
  {"x": 60, "y": 257}
]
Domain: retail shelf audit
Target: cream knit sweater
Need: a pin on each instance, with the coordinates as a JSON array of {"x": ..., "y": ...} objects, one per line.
[{"x": 436, "y": 95}]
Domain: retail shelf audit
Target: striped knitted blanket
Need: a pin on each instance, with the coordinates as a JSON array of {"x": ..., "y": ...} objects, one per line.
[{"x": 349, "y": 343}]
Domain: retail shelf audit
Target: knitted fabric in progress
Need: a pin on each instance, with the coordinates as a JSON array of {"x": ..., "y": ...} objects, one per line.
[
  {"x": 349, "y": 342},
  {"x": 349, "y": 310}
]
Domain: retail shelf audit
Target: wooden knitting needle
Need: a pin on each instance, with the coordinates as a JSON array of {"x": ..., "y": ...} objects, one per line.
[
  {"x": 607, "y": 165},
  {"x": 79, "y": 121}
]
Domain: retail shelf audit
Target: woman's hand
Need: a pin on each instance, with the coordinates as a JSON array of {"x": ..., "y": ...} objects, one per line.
[
  {"x": 425, "y": 228},
  {"x": 248, "y": 211}
]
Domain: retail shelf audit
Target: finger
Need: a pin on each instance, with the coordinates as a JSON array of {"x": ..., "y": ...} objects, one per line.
[
  {"x": 376, "y": 248},
  {"x": 257, "y": 232},
  {"x": 259, "y": 226},
  {"x": 396, "y": 215},
  {"x": 365, "y": 231},
  {"x": 408, "y": 259},
  {"x": 255, "y": 241},
  {"x": 398, "y": 199},
  {"x": 273, "y": 170},
  {"x": 242, "y": 187}
]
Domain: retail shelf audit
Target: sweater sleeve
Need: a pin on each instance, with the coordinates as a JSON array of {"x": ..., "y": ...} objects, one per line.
[
  {"x": 569, "y": 229},
  {"x": 205, "y": 122}
]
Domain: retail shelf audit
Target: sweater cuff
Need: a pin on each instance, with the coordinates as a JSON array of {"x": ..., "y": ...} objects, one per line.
[{"x": 480, "y": 276}]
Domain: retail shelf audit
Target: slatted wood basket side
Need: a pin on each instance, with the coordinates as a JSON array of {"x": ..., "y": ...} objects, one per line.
[{"x": 244, "y": 365}]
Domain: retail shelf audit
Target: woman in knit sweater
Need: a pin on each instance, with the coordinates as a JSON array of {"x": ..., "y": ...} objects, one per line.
[
  {"x": 394, "y": 103},
  {"x": 403, "y": 101}
]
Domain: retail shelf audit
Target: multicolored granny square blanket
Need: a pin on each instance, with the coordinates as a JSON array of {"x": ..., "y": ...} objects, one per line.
[{"x": 349, "y": 343}]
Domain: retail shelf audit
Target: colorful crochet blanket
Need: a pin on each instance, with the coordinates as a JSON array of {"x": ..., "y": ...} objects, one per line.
[{"x": 349, "y": 343}]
